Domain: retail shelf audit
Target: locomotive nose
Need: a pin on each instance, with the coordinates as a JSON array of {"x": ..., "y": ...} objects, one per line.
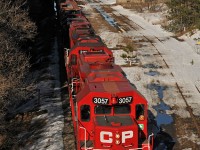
[
  {"x": 116, "y": 139},
  {"x": 116, "y": 135}
]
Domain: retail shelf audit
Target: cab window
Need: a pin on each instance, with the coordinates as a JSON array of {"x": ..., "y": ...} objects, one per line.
[
  {"x": 85, "y": 113},
  {"x": 140, "y": 112},
  {"x": 102, "y": 109},
  {"x": 122, "y": 109}
]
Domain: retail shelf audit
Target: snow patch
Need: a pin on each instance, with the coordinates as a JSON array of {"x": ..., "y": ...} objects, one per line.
[
  {"x": 108, "y": 2},
  {"x": 111, "y": 39},
  {"x": 50, "y": 136}
]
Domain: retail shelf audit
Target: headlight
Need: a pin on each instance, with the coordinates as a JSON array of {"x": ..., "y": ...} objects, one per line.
[
  {"x": 117, "y": 136},
  {"x": 141, "y": 117},
  {"x": 117, "y": 142}
]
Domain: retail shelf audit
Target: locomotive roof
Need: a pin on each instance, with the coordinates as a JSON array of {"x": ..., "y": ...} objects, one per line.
[
  {"x": 79, "y": 44},
  {"x": 102, "y": 75},
  {"x": 109, "y": 87}
]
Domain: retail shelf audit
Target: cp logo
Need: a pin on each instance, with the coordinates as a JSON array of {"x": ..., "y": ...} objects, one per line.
[{"x": 106, "y": 137}]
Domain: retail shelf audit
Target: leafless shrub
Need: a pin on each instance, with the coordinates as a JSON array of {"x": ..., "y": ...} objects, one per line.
[
  {"x": 15, "y": 29},
  {"x": 131, "y": 51},
  {"x": 141, "y": 6},
  {"x": 14, "y": 66},
  {"x": 15, "y": 20}
]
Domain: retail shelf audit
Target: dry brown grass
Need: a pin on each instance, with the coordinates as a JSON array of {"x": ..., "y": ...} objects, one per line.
[{"x": 152, "y": 6}]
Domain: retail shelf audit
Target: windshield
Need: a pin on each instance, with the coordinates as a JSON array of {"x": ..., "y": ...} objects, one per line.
[
  {"x": 102, "y": 109},
  {"x": 117, "y": 109}
]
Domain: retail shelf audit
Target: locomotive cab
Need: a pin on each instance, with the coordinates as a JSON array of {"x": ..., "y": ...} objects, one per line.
[{"x": 115, "y": 123}]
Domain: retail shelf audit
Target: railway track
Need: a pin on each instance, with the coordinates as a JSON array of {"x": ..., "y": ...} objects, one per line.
[{"x": 188, "y": 107}]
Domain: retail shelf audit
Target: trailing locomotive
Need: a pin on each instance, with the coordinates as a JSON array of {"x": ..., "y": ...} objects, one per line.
[{"x": 107, "y": 111}]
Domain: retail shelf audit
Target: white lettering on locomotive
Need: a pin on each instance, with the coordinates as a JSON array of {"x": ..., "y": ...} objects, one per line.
[
  {"x": 102, "y": 137},
  {"x": 125, "y": 100},
  {"x": 99, "y": 100},
  {"x": 125, "y": 135}
]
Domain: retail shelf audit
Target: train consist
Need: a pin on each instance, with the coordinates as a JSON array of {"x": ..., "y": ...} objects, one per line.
[{"x": 107, "y": 111}]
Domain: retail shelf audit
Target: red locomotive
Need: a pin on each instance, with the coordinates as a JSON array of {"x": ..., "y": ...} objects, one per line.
[{"x": 107, "y": 111}]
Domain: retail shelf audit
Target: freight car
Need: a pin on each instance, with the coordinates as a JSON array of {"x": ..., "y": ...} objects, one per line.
[{"x": 107, "y": 111}]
